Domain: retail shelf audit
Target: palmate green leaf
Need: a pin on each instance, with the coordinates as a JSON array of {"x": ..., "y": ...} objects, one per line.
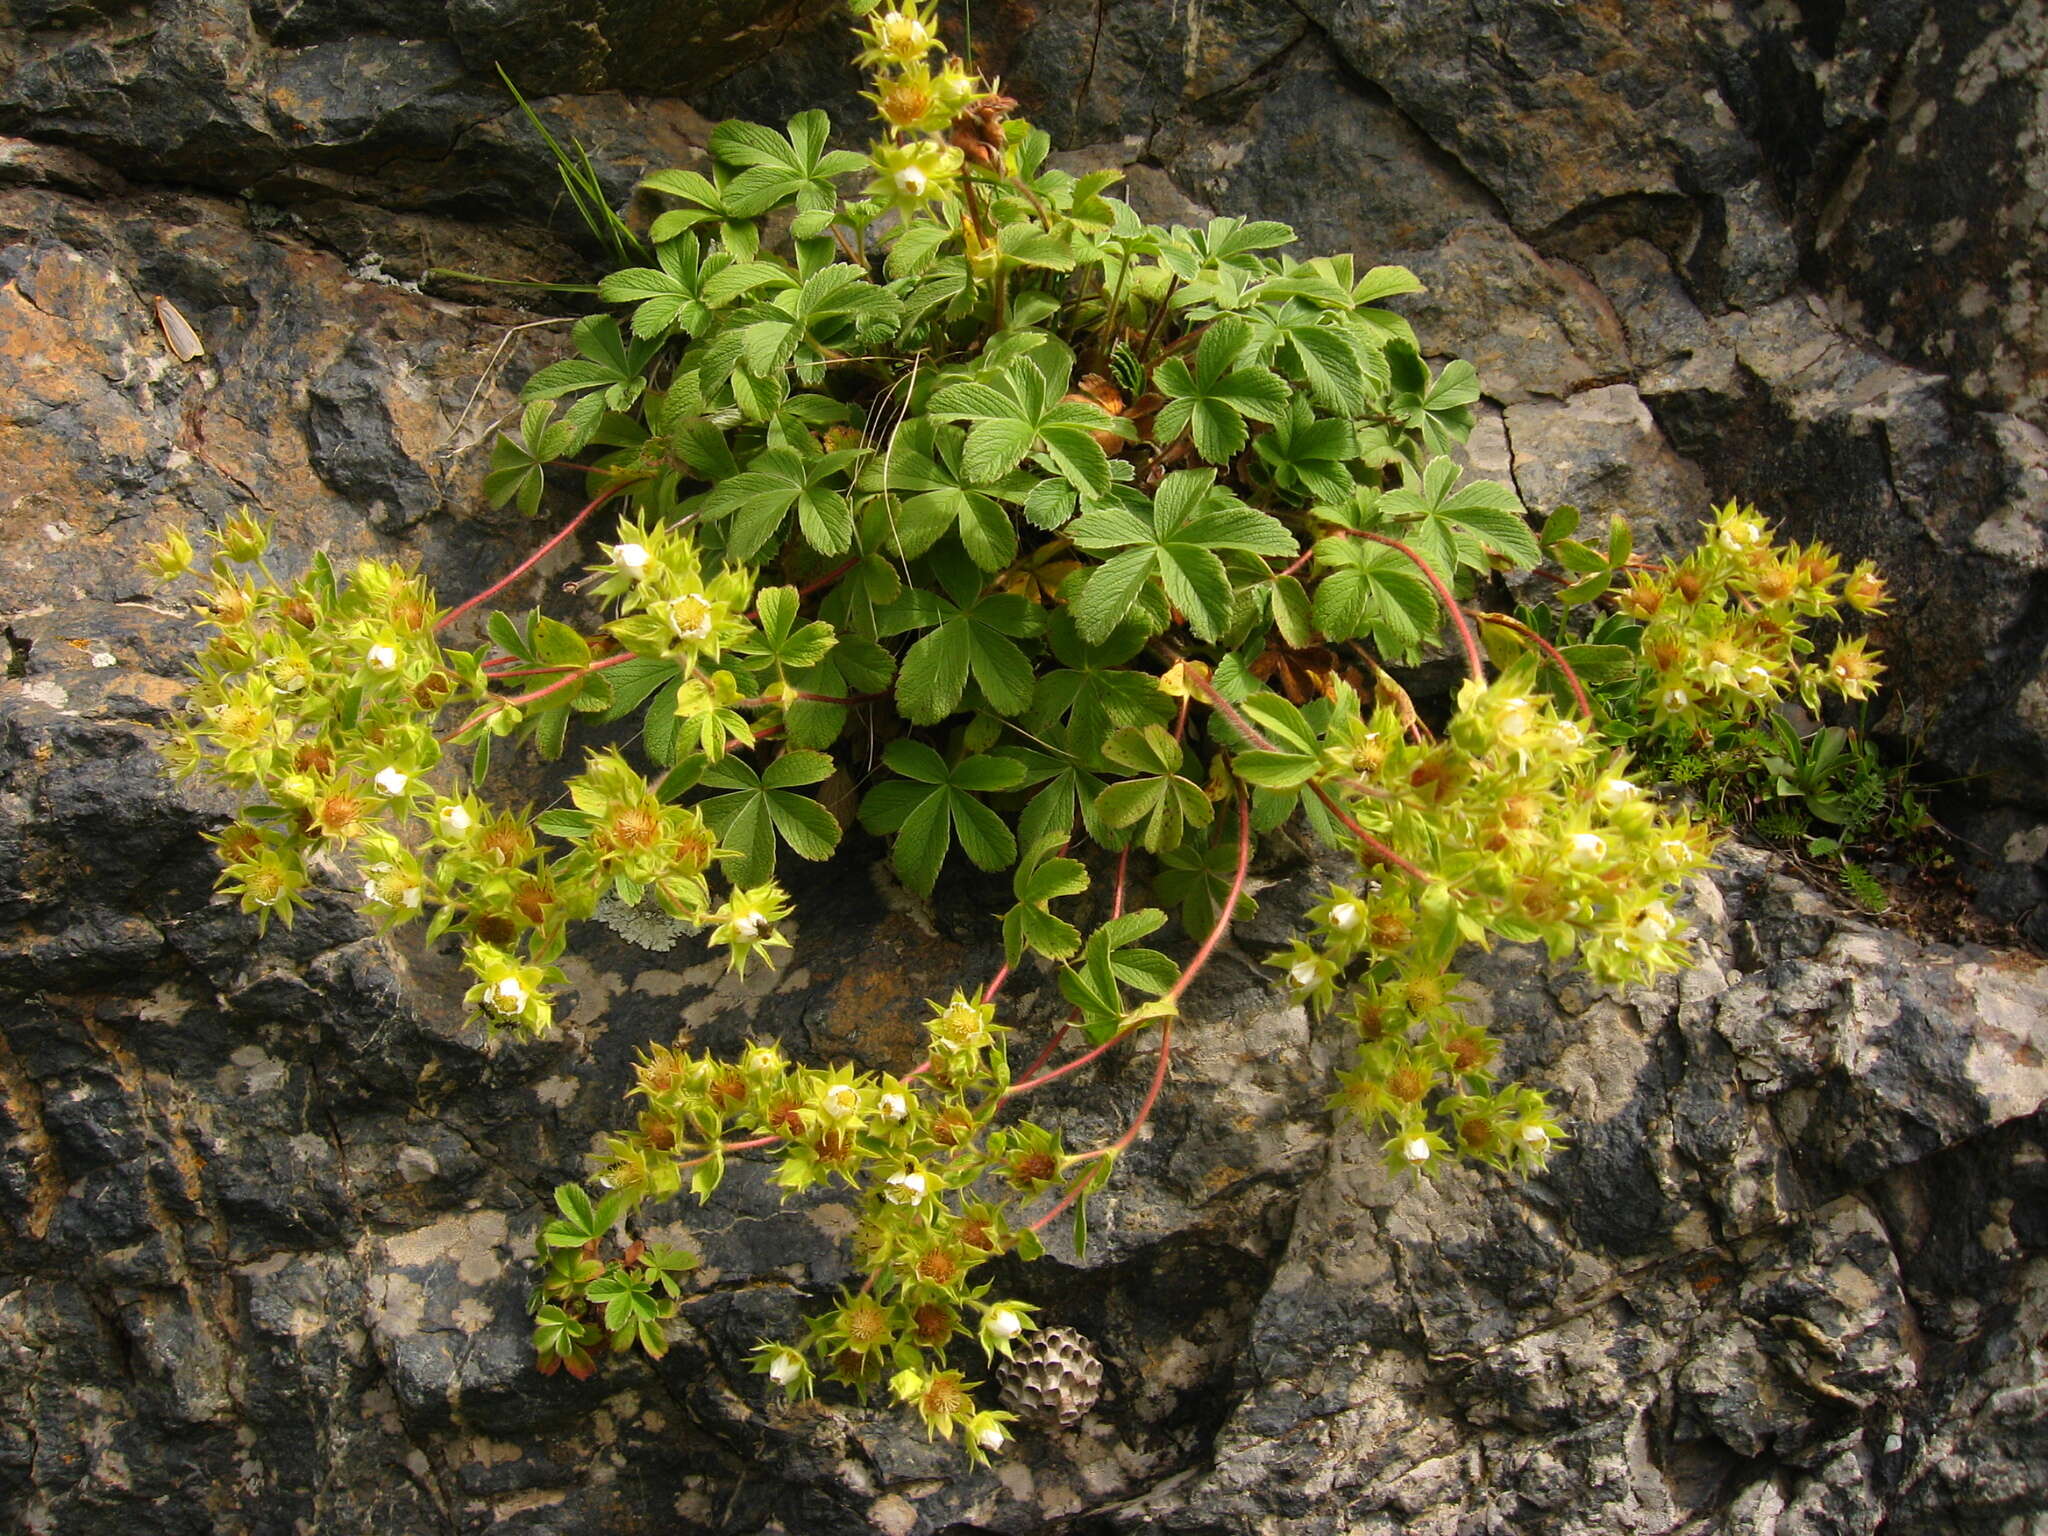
[
  {"x": 763, "y": 807},
  {"x": 1066, "y": 786},
  {"x": 1309, "y": 456},
  {"x": 976, "y": 639},
  {"x": 932, "y": 804},
  {"x": 1369, "y": 589},
  {"x": 1022, "y": 412},
  {"x": 1030, "y": 923},
  {"x": 1212, "y": 401},
  {"x": 1110, "y": 961},
  {"x": 1460, "y": 525},
  {"x": 1191, "y": 517},
  {"x": 1095, "y": 691},
  {"x": 1197, "y": 877},
  {"x": 518, "y": 465},
  {"x": 926, "y": 458},
  {"x": 775, "y": 169},
  {"x": 760, "y": 498},
  {"x": 1160, "y": 801}
]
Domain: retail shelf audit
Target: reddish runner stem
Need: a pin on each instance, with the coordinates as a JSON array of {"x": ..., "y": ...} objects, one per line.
[
  {"x": 1556, "y": 656},
  {"x": 535, "y": 558}
]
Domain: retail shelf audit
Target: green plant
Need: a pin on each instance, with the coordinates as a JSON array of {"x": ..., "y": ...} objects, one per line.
[{"x": 1107, "y": 530}]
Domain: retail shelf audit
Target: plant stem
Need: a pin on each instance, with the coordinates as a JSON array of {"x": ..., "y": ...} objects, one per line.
[
  {"x": 1229, "y": 912},
  {"x": 533, "y": 559},
  {"x": 1378, "y": 849},
  {"x": 1555, "y": 655}
]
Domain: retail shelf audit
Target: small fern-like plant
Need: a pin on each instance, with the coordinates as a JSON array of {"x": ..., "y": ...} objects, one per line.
[{"x": 1111, "y": 533}]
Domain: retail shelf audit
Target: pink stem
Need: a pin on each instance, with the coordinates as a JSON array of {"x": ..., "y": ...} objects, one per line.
[{"x": 533, "y": 559}]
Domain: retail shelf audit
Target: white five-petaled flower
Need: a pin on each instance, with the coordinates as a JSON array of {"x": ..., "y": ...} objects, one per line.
[
  {"x": 785, "y": 1368},
  {"x": 841, "y": 1100},
  {"x": 632, "y": 558},
  {"x": 1346, "y": 916},
  {"x": 508, "y": 995},
  {"x": 1676, "y": 700},
  {"x": 383, "y": 657},
  {"x": 691, "y": 617},
  {"x": 1305, "y": 973},
  {"x": 892, "y": 1106},
  {"x": 990, "y": 1438},
  {"x": 906, "y": 1188},
  {"x": 1004, "y": 1324},
  {"x": 1535, "y": 1136},
  {"x": 1416, "y": 1149},
  {"x": 454, "y": 818},
  {"x": 1566, "y": 733},
  {"x": 750, "y": 927},
  {"x": 911, "y": 181},
  {"x": 391, "y": 781},
  {"x": 1588, "y": 848}
]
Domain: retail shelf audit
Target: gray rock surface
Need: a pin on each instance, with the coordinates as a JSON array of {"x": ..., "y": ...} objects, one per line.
[{"x": 265, "y": 1206}]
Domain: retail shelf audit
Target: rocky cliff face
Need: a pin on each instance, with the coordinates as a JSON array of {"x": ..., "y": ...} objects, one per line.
[{"x": 266, "y": 1204}]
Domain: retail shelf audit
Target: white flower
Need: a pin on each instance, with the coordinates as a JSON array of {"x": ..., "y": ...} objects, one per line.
[
  {"x": 1756, "y": 679},
  {"x": 1566, "y": 733},
  {"x": 507, "y": 995},
  {"x": 1345, "y": 916},
  {"x": 1676, "y": 699},
  {"x": 1535, "y": 1136},
  {"x": 370, "y": 889},
  {"x": 1516, "y": 716},
  {"x": 1737, "y": 536},
  {"x": 1588, "y": 848},
  {"x": 750, "y": 927},
  {"x": 904, "y": 1188},
  {"x": 383, "y": 658},
  {"x": 990, "y": 1438},
  {"x": 764, "y": 1059},
  {"x": 632, "y": 558},
  {"x": 1618, "y": 792},
  {"x": 911, "y": 181},
  {"x": 1004, "y": 1324},
  {"x": 1416, "y": 1149},
  {"x": 391, "y": 781},
  {"x": 1654, "y": 924},
  {"x": 785, "y": 1368},
  {"x": 1305, "y": 973},
  {"x": 841, "y": 1100},
  {"x": 690, "y": 616},
  {"x": 454, "y": 818},
  {"x": 892, "y": 1106}
]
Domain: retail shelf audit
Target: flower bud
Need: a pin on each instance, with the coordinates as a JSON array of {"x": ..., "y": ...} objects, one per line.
[
  {"x": 1587, "y": 849},
  {"x": 1004, "y": 1324},
  {"x": 454, "y": 819},
  {"x": 391, "y": 781},
  {"x": 383, "y": 657},
  {"x": 1416, "y": 1149},
  {"x": 631, "y": 558}
]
